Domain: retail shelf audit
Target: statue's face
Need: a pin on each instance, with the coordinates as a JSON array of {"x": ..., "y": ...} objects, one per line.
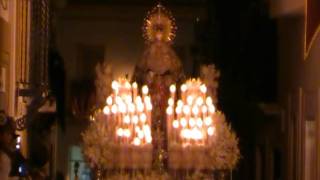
[
  {"x": 159, "y": 36},
  {"x": 159, "y": 31}
]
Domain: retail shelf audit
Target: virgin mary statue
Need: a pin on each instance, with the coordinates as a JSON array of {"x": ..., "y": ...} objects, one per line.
[{"x": 159, "y": 66}]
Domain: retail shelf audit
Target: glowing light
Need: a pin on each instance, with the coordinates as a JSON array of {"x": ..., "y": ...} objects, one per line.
[
  {"x": 131, "y": 115},
  {"x": 195, "y": 110},
  {"x": 136, "y": 141},
  {"x": 119, "y": 100},
  {"x": 143, "y": 118},
  {"x": 203, "y": 89},
  {"x": 183, "y": 88},
  {"x": 18, "y": 139},
  {"x": 127, "y": 85},
  {"x": 191, "y": 110},
  {"x": 149, "y": 106},
  {"x": 114, "y": 109},
  {"x": 109, "y": 100},
  {"x": 183, "y": 122},
  {"x": 148, "y": 139},
  {"x": 173, "y": 88},
  {"x": 131, "y": 107},
  {"x": 175, "y": 124},
  {"x": 138, "y": 100},
  {"x": 120, "y": 132},
  {"x": 135, "y": 119},
  {"x": 126, "y": 133},
  {"x": 128, "y": 99},
  {"x": 106, "y": 110},
  {"x": 211, "y": 131},
  {"x": 190, "y": 100},
  {"x": 122, "y": 108},
  {"x": 183, "y": 133},
  {"x": 204, "y": 109},
  {"x": 199, "y": 101},
  {"x": 208, "y": 121},
  {"x": 134, "y": 85},
  {"x": 199, "y": 122},
  {"x": 212, "y": 109},
  {"x": 147, "y": 99},
  {"x": 146, "y": 129},
  {"x": 209, "y": 101},
  {"x": 192, "y": 122},
  {"x": 170, "y": 102},
  {"x": 145, "y": 90},
  {"x": 178, "y": 110},
  {"x": 196, "y": 134},
  {"x": 140, "y": 107},
  {"x": 186, "y": 110},
  {"x": 141, "y": 134},
  {"x": 169, "y": 111},
  {"x": 126, "y": 119},
  {"x": 115, "y": 85},
  {"x": 186, "y": 133}
]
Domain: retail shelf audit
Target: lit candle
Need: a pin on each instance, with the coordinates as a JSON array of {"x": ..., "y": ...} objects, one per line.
[
  {"x": 203, "y": 89},
  {"x": 109, "y": 100},
  {"x": 190, "y": 118},
  {"x": 126, "y": 110},
  {"x": 211, "y": 131},
  {"x": 135, "y": 90},
  {"x": 145, "y": 90},
  {"x": 106, "y": 110},
  {"x": 212, "y": 109},
  {"x": 175, "y": 125},
  {"x": 173, "y": 91},
  {"x": 183, "y": 91}
]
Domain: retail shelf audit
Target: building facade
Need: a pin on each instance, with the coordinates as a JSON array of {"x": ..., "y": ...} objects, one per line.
[
  {"x": 24, "y": 54},
  {"x": 298, "y": 90}
]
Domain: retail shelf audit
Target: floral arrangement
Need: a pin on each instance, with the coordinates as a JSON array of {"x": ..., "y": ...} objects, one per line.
[
  {"x": 209, "y": 74},
  {"x": 224, "y": 152},
  {"x": 104, "y": 77},
  {"x": 97, "y": 146}
]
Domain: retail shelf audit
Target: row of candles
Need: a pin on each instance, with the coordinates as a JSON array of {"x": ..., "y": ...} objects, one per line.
[
  {"x": 190, "y": 119},
  {"x": 129, "y": 114}
]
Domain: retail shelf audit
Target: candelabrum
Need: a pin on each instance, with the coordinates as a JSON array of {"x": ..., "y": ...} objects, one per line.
[
  {"x": 128, "y": 117},
  {"x": 191, "y": 118},
  {"x": 198, "y": 136},
  {"x": 191, "y": 124},
  {"x": 129, "y": 114}
]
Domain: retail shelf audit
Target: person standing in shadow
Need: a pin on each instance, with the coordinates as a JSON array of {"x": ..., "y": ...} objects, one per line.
[{"x": 7, "y": 145}]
